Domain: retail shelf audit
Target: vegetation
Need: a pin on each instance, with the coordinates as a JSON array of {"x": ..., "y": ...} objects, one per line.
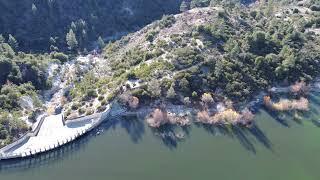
[
  {"x": 301, "y": 104},
  {"x": 47, "y": 23},
  {"x": 22, "y": 76},
  {"x": 226, "y": 53}
]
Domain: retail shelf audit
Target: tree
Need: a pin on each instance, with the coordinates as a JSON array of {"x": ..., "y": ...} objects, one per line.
[
  {"x": 187, "y": 101},
  {"x": 171, "y": 94},
  {"x": 154, "y": 89},
  {"x": 183, "y": 6},
  {"x": 71, "y": 40},
  {"x": 13, "y": 42},
  {"x": 203, "y": 117},
  {"x": 133, "y": 102},
  {"x": 2, "y": 40},
  {"x": 101, "y": 43},
  {"x": 34, "y": 9},
  {"x": 158, "y": 118},
  {"x": 73, "y": 26},
  {"x": 184, "y": 84},
  {"x": 207, "y": 98}
]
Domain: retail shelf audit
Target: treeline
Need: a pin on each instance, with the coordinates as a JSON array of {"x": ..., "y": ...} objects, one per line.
[{"x": 44, "y": 24}]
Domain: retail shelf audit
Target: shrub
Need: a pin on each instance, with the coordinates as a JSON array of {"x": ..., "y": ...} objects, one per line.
[
  {"x": 101, "y": 108},
  {"x": 167, "y": 21},
  {"x": 301, "y": 104},
  {"x": 203, "y": 117},
  {"x": 133, "y": 102},
  {"x": 81, "y": 111},
  {"x": 207, "y": 98},
  {"x": 75, "y": 106},
  {"x": 151, "y": 35},
  {"x": 299, "y": 88},
  {"x": 101, "y": 98},
  {"x": 103, "y": 102},
  {"x": 89, "y": 112},
  {"x": 158, "y": 118},
  {"x": 315, "y": 7},
  {"x": 60, "y": 56},
  {"x": 91, "y": 93}
]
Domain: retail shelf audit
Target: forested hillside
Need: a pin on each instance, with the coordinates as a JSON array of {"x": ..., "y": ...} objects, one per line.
[
  {"x": 226, "y": 52},
  {"x": 37, "y": 25}
]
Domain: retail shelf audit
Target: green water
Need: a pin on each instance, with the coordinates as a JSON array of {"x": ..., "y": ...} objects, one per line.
[{"x": 276, "y": 150}]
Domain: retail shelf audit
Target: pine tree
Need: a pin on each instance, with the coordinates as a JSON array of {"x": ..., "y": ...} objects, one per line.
[
  {"x": 73, "y": 26},
  {"x": 101, "y": 43},
  {"x": 183, "y": 6},
  {"x": 13, "y": 42},
  {"x": 34, "y": 9},
  {"x": 71, "y": 40},
  {"x": 171, "y": 94},
  {"x": 2, "y": 40}
]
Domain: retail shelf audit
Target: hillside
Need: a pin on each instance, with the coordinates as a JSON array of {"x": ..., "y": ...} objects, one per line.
[
  {"x": 33, "y": 23},
  {"x": 229, "y": 53},
  {"x": 210, "y": 60}
]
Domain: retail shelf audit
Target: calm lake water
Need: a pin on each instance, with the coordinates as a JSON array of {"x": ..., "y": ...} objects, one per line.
[{"x": 278, "y": 148}]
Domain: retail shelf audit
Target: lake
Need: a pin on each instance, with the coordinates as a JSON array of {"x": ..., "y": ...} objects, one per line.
[{"x": 279, "y": 147}]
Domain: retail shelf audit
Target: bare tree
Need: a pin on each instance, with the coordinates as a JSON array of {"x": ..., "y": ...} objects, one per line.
[
  {"x": 203, "y": 117},
  {"x": 299, "y": 88},
  {"x": 133, "y": 102},
  {"x": 158, "y": 118}
]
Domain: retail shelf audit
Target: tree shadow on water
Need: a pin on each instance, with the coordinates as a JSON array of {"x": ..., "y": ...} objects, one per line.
[
  {"x": 241, "y": 134},
  {"x": 280, "y": 118},
  {"x": 133, "y": 126},
  {"x": 171, "y": 135}
]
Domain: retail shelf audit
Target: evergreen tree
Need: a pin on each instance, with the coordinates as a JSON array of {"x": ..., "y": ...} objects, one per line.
[
  {"x": 13, "y": 42},
  {"x": 34, "y": 9},
  {"x": 101, "y": 43},
  {"x": 171, "y": 94},
  {"x": 2, "y": 40},
  {"x": 71, "y": 40},
  {"x": 73, "y": 26},
  {"x": 183, "y": 6}
]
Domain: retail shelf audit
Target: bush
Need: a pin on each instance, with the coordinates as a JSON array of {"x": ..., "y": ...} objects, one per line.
[
  {"x": 60, "y": 56},
  {"x": 167, "y": 21},
  {"x": 75, "y": 106},
  {"x": 315, "y": 7},
  {"x": 100, "y": 98},
  {"x": 151, "y": 35},
  {"x": 91, "y": 93},
  {"x": 101, "y": 108},
  {"x": 3, "y": 134},
  {"x": 81, "y": 111}
]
